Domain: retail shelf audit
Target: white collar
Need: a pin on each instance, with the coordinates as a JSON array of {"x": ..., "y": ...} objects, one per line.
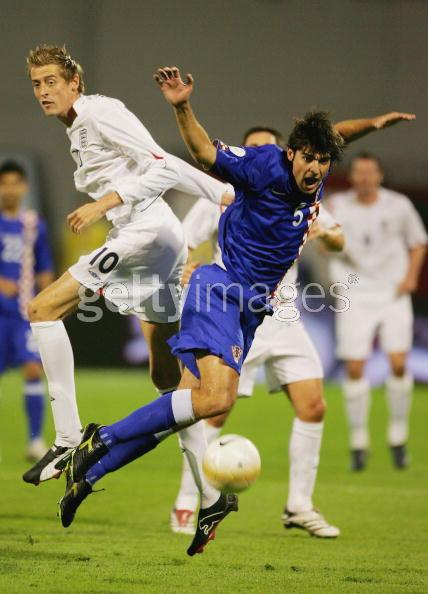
[{"x": 79, "y": 104}]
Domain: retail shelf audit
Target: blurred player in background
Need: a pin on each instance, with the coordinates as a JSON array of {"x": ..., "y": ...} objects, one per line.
[
  {"x": 139, "y": 267},
  {"x": 25, "y": 268},
  {"x": 292, "y": 365},
  {"x": 382, "y": 260}
]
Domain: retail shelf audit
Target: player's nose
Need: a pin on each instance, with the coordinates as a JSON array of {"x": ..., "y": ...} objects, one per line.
[{"x": 315, "y": 168}]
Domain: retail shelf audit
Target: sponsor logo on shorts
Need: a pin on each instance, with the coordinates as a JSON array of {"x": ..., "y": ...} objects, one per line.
[
  {"x": 83, "y": 138},
  {"x": 94, "y": 274},
  {"x": 236, "y": 353}
]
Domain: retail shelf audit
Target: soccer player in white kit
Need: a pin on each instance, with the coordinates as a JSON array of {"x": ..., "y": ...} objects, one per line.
[
  {"x": 139, "y": 267},
  {"x": 381, "y": 262},
  {"x": 292, "y": 365}
]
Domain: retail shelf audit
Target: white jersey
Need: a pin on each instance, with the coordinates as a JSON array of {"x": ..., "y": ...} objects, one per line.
[
  {"x": 115, "y": 152},
  {"x": 378, "y": 239},
  {"x": 201, "y": 224}
]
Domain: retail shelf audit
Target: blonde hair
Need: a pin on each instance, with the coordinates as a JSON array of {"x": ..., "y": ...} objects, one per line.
[{"x": 54, "y": 54}]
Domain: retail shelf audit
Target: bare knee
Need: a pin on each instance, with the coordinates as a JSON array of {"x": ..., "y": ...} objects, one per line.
[
  {"x": 39, "y": 310},
  {"x": 313, "y": 410},
  {"x": 354, "y": 369},
  {"x": 214, "y": 403},
  {"x": 32, "y": 371},
  {"x": 398, "y": 364}
]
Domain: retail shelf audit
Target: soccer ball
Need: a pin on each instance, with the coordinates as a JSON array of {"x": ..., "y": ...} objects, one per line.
[{"x": 231, "y": 463}]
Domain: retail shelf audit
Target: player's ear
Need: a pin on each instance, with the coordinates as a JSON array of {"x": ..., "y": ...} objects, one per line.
[
  {"x": 75, "y": 82},
  {"x": 290, "y": 154}
]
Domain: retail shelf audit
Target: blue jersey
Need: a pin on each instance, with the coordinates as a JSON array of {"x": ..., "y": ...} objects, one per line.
[
  {"x": 24, "y": 252},
  {"x": 262, "y": 233}
]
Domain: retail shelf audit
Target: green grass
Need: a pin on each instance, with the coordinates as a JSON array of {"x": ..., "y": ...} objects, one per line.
[{"x": 120, "y": 541}]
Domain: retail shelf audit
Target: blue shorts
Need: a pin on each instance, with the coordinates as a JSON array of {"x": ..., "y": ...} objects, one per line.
[
  {"x": 217, "y": 318},
  {"x": 17, "y": 343}
]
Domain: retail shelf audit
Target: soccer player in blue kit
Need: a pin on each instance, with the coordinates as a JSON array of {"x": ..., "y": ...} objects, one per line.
[
  {"x": 25, "y": 268},
  {"x": 261, "y": 235}
]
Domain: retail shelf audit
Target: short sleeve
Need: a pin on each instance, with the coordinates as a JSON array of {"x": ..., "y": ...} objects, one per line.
[
  {"x": 413, "y": 226},
  {"x": 242, "y": 167},
  {"x": 42, "y": 251}
]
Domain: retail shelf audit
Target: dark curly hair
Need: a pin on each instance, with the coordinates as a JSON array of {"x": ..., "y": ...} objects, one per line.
[{"x": 316, "y": 131}]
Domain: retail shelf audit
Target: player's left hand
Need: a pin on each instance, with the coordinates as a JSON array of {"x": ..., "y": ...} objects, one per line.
[
  {"x": 407, "y": 285},
  {"x": 392, "y": 118},
  {"x": 86, "y": 215}
]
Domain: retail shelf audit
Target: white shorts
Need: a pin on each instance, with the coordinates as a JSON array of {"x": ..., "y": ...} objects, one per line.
[
  {"x": 287, "y": 353},
  {"x": 139, "y": 267},
  {"x": 391, "y": 321}
]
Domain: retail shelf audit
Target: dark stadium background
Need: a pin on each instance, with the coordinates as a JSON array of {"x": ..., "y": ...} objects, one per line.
[{"x": 356, "y": 58}]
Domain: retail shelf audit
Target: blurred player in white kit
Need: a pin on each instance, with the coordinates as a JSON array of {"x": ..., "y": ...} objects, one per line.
[
  {"x": 139, "y": 267},
  {"x": 381, "y": 263},
  {"x": 291, "y": 363}
]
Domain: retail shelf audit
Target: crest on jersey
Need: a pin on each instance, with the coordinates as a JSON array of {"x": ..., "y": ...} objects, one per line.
[
  {"x": 236, "y": 353},
  {"x": 83, "y": 138},
  {"x": 238, "y": 151}
]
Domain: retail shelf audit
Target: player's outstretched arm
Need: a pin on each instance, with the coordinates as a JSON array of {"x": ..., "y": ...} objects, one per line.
[
  {"x": 351, "y": 130},
  {"x": 177, "y": 93}
]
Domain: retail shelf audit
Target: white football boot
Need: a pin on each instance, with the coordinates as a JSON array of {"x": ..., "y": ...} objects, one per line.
[
  {"x": 45, "y": 469},
  {"x": 312, "y": 521},
  {"x": 37, "y": 448},
  {"x": 182, "y": 521}
]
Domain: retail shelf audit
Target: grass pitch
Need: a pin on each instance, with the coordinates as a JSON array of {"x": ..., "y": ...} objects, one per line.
[{"x": 120, "y": 541}]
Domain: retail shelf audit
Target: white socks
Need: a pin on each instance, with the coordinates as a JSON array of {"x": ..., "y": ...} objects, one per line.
[
  {"x": 398, "y": 393},
  {"x": 58, "y": 362},
  {"x": 357, "y": 405},
  {"x": 304, "y": 449},
  {"x": 193, "y": 441},
  {"x": 182, "y": 407}
]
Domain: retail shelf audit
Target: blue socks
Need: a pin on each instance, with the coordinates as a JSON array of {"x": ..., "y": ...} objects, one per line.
[
  {"x": 120, "y": 455},
  {"x": 167, "y": 411},
  {"x": 34, "y": 399},
  {"x": 141, "y": 431}
]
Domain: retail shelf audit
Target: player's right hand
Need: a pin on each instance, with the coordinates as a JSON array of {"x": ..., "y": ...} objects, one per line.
[
  {"x": 174, "y": 89},
  {"x": 188, "y": 270},
  {"x": 8, "y": 288},
  {"x": 392, "y": 118}
]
